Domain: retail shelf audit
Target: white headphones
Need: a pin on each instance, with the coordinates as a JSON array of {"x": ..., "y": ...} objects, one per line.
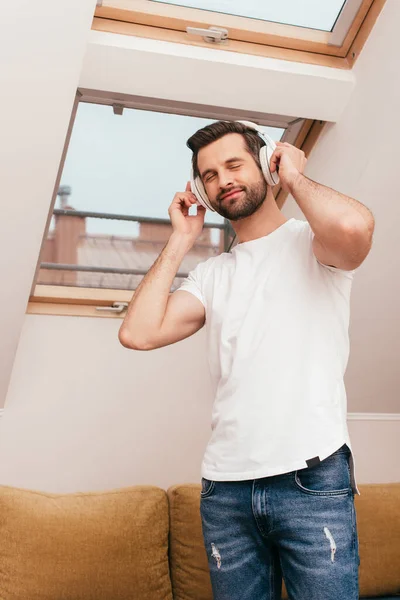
[{"x": 265, "y": 155}]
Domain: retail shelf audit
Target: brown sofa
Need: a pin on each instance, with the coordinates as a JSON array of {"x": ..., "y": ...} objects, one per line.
[{"x": 144, "y": 543}]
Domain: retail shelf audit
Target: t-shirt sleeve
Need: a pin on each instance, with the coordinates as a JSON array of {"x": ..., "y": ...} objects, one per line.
[
  {"x": 330, "y": 268},
  {"x": 193, "y": 283},
  {"x": 336, "y": 269}
]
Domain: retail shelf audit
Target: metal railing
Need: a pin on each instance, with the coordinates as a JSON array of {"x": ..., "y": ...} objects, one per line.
[
  {"x": 90, "y": 269},
  {"x": 104, "y": 272},
  {"x": 225, "y": 226}
]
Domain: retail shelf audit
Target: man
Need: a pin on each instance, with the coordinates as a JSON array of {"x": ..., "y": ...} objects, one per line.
[{"x": 278, "y": 479}]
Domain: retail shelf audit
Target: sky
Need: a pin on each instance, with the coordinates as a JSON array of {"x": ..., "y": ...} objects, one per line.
[
  {"x": 316, "y": 14},
  {"x": 130, "y": 164}
]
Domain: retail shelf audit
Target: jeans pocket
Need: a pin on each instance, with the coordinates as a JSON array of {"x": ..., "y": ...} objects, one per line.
[
  {"x": 331, "y": 477},
  {"x": 207, "y": 487}
]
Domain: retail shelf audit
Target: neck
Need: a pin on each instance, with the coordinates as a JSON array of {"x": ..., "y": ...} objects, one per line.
[{"x": 264, "y": 221}]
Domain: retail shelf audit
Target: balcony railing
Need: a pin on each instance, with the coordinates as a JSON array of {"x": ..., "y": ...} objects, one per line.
[{"x": 73, "y": 257}]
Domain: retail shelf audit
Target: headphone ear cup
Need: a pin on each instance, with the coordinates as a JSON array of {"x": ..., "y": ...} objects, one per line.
[
  {"x": 266, "y": 153},
  {"x": 198, "y": 190}
]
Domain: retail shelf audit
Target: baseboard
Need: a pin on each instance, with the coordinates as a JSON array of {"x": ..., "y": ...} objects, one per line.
[
  {"x": 373, "y": 416},
  {"x": 351, "y": 416}
]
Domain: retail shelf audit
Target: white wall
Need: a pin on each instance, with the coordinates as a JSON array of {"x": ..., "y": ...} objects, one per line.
[
  {"x": 83, "y": 413},
  {"x": 42, "y": 44},
  {"x": 376, "y": 445},
  {"x": 88, "y": 414},
  {"x": 159, "y": 69},
  {"x": 359, "y": 156}
]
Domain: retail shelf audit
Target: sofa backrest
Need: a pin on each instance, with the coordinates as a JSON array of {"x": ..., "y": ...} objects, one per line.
[
  {"x": 92, "y": 545},
  {"x": 378, "y": 522}
]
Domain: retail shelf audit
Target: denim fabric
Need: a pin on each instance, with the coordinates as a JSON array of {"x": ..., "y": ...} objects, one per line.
[{"x": 299, "y": 525}]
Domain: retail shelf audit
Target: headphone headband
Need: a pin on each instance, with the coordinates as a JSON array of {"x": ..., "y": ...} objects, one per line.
[
  {"x": 264, "y": 136},
  {"x": 251, "y": 125}
]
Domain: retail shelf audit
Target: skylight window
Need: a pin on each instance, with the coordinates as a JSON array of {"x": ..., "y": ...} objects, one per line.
[{"x": 324, "y": 29}]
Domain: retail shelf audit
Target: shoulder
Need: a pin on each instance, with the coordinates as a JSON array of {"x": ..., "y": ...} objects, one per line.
[
  {"x": 213, "y": 262},
  {"x": 203, "y": 269}
]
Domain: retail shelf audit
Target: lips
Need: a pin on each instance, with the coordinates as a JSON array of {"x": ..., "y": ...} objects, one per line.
[{"x": 232, "y": 194}]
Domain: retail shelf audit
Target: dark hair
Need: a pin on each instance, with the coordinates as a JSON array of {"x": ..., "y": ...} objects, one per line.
[{"x": 215, "y": 131}]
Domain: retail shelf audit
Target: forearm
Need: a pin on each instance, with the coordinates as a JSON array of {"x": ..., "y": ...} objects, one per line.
[
  {"x": 329, "y": 212},
  {"x": 147, "y": 308}
]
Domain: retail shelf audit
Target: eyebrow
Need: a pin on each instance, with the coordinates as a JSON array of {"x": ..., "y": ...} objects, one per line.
[{"x": 227, "y": 162}]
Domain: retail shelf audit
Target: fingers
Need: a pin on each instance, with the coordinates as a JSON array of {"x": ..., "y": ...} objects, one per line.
[
  {"x": 188, "y": 187},
  {"x": 183, "y": 201},
  {"x": 282, "y": 150},
  {"x": 201, "y": 211},
  {"x": 275, "y": 158},
  {"x": 295, "y": 150}
]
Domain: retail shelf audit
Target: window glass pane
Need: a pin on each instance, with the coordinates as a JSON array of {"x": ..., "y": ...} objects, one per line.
[
  {"x": 314, "y": 14},
  {"x": 127, "y": 167}
]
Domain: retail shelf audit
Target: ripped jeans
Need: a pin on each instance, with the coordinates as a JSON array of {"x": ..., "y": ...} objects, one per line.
[{"x": 299, "y": 526}]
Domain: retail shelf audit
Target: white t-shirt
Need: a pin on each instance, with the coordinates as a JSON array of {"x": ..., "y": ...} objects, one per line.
[{"x": 277, "y": 341}]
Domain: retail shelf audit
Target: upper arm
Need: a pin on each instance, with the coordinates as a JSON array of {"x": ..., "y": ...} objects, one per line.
[
  {"x": 349, "y": 251},
  {"x": 184, "y": 316}
]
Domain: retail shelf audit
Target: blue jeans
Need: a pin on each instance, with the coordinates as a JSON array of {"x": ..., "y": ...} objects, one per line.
[{"x": 299, "y": 525}]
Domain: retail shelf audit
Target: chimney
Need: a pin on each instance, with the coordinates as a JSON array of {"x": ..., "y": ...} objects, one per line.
[
  {"x": 64, "y": 192},
  {"x": 67, "y": 234}
]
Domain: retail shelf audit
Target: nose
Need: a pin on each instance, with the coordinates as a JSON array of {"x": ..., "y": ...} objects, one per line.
[{"x": 225, "y": 180}]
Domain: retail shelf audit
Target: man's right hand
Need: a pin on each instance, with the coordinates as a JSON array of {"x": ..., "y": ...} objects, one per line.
[
  {"x": 190, "y": 226},
  {"x": 156, "y": 318}
]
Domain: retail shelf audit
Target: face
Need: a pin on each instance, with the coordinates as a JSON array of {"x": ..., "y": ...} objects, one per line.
[{"x": 232, "y": 179}]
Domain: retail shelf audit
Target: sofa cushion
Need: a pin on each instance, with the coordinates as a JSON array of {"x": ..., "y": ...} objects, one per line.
[
  {"x": 109, "y": 545},
  {"x": 378, "y": 521},
  {"x": 188, "y": 560}
]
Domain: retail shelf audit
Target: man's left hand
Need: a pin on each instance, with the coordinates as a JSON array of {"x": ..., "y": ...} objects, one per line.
[{"x": 291, "y": 163}]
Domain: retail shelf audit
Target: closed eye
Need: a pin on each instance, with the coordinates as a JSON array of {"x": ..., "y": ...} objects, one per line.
[
  {"x": 210, "y": 177},
  {"x": 231, "y": 166}
]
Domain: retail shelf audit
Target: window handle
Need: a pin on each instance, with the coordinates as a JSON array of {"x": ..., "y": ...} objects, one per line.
[
  {"x": 212, "y": 34},
  {"x": 117, "y": 307}
]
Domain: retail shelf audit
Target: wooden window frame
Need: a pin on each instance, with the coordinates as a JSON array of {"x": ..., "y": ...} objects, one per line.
[
  {"x": 250, "y": 36},
  {"x": 79, "y": 301}
]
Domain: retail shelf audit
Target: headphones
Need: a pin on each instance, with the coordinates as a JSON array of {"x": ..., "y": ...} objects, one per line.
[{"x": 265, "y": 155}]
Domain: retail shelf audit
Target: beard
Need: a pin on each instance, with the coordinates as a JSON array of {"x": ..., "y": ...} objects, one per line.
[{"x": 235, "y": 209}]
